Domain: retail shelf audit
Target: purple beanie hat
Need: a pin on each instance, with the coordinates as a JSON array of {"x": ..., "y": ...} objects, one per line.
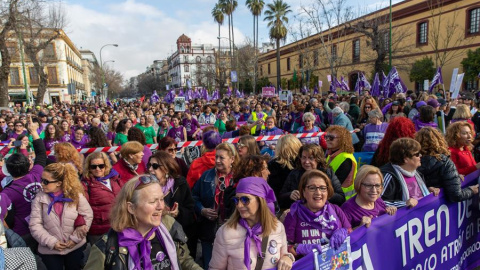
[
  {"x": 211, "y": 139},
  {"x": 257, "y": 186}
]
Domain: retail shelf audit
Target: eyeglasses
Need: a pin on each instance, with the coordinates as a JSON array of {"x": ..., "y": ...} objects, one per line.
[
  {"x": 313, "y": 188},
  {"x": 95, "y": 166},
  {"x": 155, "y": 166},
  {"x": 2, "y": 122},
  {"x": 240, "y": 145},
  {"x": 171, "y": 150},
  {"x": 368, "y": 107},
  {"x": 46, "y": 182},
  {"x": 221, "y": 183},
  {"x": 146, "y": 179},
  {"x": 329, "y": 137},
  {"x": 244, "y": 200},
  {"x": 19, "y": 125},
  {"x": 416, "y": 154},
  {"x": 371, "y": 187}
]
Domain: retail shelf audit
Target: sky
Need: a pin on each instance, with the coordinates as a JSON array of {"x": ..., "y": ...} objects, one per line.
[{"x": 147, "y": 30}]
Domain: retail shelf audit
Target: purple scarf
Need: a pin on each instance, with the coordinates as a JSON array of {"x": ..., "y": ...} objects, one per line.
[
  {"x": 59, "y": 198},
  {"x": 168, "y": 185},
  {"x": 325, "y": 220},
  {"x": 252, "y": 233},
  {"x": 135, "y": 242},
  {"x": 112, "y": 173}
]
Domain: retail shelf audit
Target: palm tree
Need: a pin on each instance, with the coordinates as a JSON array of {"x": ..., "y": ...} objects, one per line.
[
  {"x": 256, "y": 7},
  {"x": 276, "y": 15},
  {"x": 217, "y": 14}
]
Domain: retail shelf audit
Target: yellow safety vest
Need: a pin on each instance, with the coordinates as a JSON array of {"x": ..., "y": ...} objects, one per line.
[
  {"x": 336, "y": 162},
  {"x": 254, "y": 118}
]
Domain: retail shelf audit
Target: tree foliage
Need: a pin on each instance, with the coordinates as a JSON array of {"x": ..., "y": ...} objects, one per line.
[
  {"x": 422, "y": 70},
  {"x": 113, "y": 79},
  {"x": 471, "y": 64}
]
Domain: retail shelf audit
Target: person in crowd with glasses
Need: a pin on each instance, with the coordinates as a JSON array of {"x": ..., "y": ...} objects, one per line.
[
  {"x": 367, "y": 105},
  {"x": 3, "y": 124},
  {"x": 374, "y": 131},
  {"x": 210, "y": 141},
  {"x": 438, "y": 169},
  {"x": 340, "y": 157},
  {"x": 24, "y": 148},
  {"x": 402, "y": 184},
  {"x": 101, "y": 185},
  {"x": 207, "y": 117},
  {"x": 19, "y": 129},
  {"x": 308, "y": 127},
  {"x": 67, "y": 153},
  {"x": 169, "y": 146},
  {"x": 459, "y": 137},
  {"x": 258, "y": 118},
  {"x": 310, "y": 157},
  {"x": 80, "y": 139},
  {"x": 60, "y": 218},
  {"x": 322, "y": 222},
  {"x": 137, "y": 229},
  {"x": 122, "y": 132},
  {"x": 147, "y": 129},
  {"x": 243, "y": 241},
  {"x": 131, "y": 163},
  {"x": 367, "y": 204},
  {"x": 208, "y": 194},
  {"x": 247, "y": 145}
]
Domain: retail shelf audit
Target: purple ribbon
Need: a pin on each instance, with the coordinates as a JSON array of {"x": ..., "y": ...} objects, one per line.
[
  {"x": 320, "y": 220},
  {"x": 139, "y": 247},
  {"x": 252, "y": 233},
  {"x": 168, "y": 185},
  {"x": 112, "y": 173},
  {"x": 59, "y": 198}
]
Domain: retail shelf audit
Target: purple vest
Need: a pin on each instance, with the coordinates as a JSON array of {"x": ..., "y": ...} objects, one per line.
[{"x": 373, "y": 135}]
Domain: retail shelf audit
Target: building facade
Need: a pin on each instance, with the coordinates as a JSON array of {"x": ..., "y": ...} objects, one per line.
[
  {"x": 89, "y": 63},
  {"x": 442, "y": 30}
]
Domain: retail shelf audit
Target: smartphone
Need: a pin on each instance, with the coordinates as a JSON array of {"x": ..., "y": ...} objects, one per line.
[{"x": 17, "y": 143}]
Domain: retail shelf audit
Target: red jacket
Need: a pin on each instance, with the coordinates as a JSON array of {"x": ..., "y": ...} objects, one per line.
[
  {"x": 101, "y": 199},
  {"x": 199, "y": 166},
  {"x": 125, "y": 172}
]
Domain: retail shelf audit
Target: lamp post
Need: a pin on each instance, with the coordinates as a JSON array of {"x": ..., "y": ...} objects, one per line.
[
  {"x": 231, "y": 57},
  {"x": 101, "y": 66},
  {"x": 109, "y": 61}
]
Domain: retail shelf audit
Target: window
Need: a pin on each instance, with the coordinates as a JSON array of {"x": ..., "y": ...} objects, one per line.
[
  {"x": 12, "y": 49},
  {"x": 315, "y": 58},
  {"x": 185, "y": 59},
  {"x": 198, "y": 60},
  {"x": 209, "y": 59},
  {"x": 52, "y": 75},
  {"x": 33, "y": 75},
  {"x": 300, "y": 61},
  {"x": 14, "y": 76},
  {"x": 473, "y": 21},
  {"x": 334, "y": 51},
  {"x": 187, "y": 68},
  {"x": 422, "y": 33},
  {"x": 49, "y": 51},
  {"x": 288, "y": 63},
  {"x": 261, "y": 71},
  {"x": 356, "y": 50},
  {"x": 269, "y": 68}
]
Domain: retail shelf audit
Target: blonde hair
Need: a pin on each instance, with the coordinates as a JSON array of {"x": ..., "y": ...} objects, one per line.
[
  {"x": 363, "y": 173},
  {"x": 66, "y": 152},
  {"x": 67, "y": 174},
  {"x": 432, "y": 142},
  {"x": 462, "y": 112},
  {"x": 251, "y": 144},
  {"x": 287, "y": 150},
  {"x": 92, "y": 156},
  {"x": 131, "y": 148},
  {"x": 453, "y": 134},
  {"x": 230, "y": 149},
  {"x": 267, "y": 219}
]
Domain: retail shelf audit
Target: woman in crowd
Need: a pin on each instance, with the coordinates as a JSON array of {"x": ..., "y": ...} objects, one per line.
[
  {"x": 136, "y": 221},
  {"x": 207, "y": 117},
  {"x": 325, "y": 222},
  {"x": 136, "y": 135},
  {"x": 24, "y": 147},
  {"x": 308, "y": 127},
  {"x": 191, "y": 125},
  {"x": 53, "y": 135},
  {"x": 163, "y": 129},
  {"x": 133, "y": 117},
  {"x": 403, "y": 185},
  {"x": 210, "y": 141},
  {"x": 168, "y": 145},
  {"x": 131, "y": 164},
  {"x": 147, "y": 129},
  {"x": 105, "y": 120},
  {"x": 396, "y": 110},
  {"x": 221, "y": 122},
  {"x": 459, "y": 138},
  {"x": 310, "y": 157},
  {"x": 340, "y": 157},
  {"x": 152, "y": 123},
  {"x": 368, "y": 104},
  {"x": 19, "y": 129},
  {"x": 79, "y": 122},
  {"x": 398, "y": 128},
  {"x": 61, "y": 218},
  {"x": 247, "y": 146},
  {"x": 101, "y": 185},
  {"x": 253, "y": 220},
  {"x": 67, "y": 153},
  {"x": 122, "y": 132},
  {"x": 208, "y": 194},
  {"x": 80, "y": 139},
  {"x": 462, "y": 114},
  {"x": 438, "y": 169},
  {"x": 98, "y": 139},
  {"x": 283, "y": 163},
  {"x": 426, "y": 118},
  {"x": 177, "y": 132},
  {"x": 367, "y": 204},
  {"x": 373, "y": 132},
  {"x": 67, "y": 132},
  {"x": 111, "y": 131},
  {"x": 245, "y": 114}
]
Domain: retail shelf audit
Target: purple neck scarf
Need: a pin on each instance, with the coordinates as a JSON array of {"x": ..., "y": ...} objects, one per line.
[
  {"x": 139, "y": 247},
  {"x": 112, "y": 173},
  {"x": 59, "y": 198},
  {"x": 325, "y": 220},
  {"x": 252, "y": 233},
  {"x": 168, "y": 185}
]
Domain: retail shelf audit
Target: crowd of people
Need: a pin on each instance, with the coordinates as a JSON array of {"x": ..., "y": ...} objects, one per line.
[{"x": 254, "y": 204}]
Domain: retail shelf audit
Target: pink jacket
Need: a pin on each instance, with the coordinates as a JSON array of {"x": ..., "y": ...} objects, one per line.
[
  {"x": 48, "y": 230},
  {"x": 229, "y": 243}
]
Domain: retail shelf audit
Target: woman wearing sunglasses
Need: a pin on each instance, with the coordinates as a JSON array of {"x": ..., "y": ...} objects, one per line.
[
  {"x": 101, "y": 184},
  {"x": 324, "y": 222},
  {"x": 252, "y": 230},
  {"x": 208, "y": 194},
  {"x": 61, "y": 217}
]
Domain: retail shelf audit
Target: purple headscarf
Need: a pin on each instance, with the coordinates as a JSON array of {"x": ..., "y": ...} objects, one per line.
[{"x": 258, "y": 186}]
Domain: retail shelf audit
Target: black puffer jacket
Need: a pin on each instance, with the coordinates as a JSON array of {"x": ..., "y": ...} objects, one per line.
[{"x": 443, "y": 174}]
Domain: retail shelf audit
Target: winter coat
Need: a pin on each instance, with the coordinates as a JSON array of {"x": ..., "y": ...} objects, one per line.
[
  {"x": 183, "y": 196},
  {"x": 443, "y": 174},
  {"x": 125, "y": 172},
  {"x": 228, "y": 248},
  {"x": 199, "y": 166},
  {"x": 203, "y": 192},
  {"x": 48, "y": 229},
  {"x": 278, "y": 176},
  {"x": 101, "y": 199}
]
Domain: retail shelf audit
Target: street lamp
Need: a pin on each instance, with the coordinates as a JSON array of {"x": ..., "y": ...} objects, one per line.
[
  {"x": 109, "y": 61},
  {"x": 101, "y": 66}
]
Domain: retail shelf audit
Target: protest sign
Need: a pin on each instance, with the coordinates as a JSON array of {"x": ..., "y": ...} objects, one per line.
[
  {"x": 268, "y": 91},
  {"x": 283, "y": 94},
  {"x": 179, "y": 104},
  {"x": 454, "y": 79}
]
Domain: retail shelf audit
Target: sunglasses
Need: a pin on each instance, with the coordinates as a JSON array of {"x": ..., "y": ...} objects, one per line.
[
  {"x": 146, "y": 179},
  {"x": 46, "y": 182},
  {"x": 171, "y": 150},
  {"x": 95, "y": 166},
  {"x": 240, "y": 145},
  {"x": 244, "y": 200},
  {"x": 330, "y": 137},
  {"x": 155, "y": 166},
  {"x": 2, "y": 122},
  {"x": 221, "y": 183},
  {"x": 416, "y": 154}
]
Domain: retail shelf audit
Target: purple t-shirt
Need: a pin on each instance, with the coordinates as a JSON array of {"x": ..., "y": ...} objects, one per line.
[
  {"x": 49, "y": 143},
  {"x": 81, "y": 143},
  {"x": 15, "y": 135},
  {"x": 413, "y": 189},
  {"x": 67, "y": 137},
  {"x": 111, "y": 136},
  {"x": 22, "y": 192},
  {"x": 355, "y": 213},
  {"x": 373, "y": 135},
  {"x": 190, "y": 125},
  {"x": 176, "y": 133}
]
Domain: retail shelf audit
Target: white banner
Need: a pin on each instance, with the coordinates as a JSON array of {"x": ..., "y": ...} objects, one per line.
[
  {"x": 454, "y": 78},
  {"x": 458, "y": 85}
]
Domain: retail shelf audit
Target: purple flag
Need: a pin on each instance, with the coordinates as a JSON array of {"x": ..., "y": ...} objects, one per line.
[
  {"x": 229, "y": 92},
  {"x": 333, "y": 89},
  {"x": 336, "y": 83},
  {"x": 382, "y": 81},
  {"x": 109, "y": 104},
  {"x": 344, "y": 84},
  {"x": 437, "y": 79},
  {"x": 357, "y": 86},
  {"x": 237, "y": 93},
  {"x": 154, "y": 98},
  {"x": 393, "y": 83},
  {"x": 375, "y": 91},
  {"x": 315, "y": 90},
  {"x": 181, "y": 93},
  {"x": 216, "y": 94},
  {"x": 304, "y": 90}
]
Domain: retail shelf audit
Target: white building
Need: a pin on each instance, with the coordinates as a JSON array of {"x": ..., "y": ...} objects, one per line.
[{"x": 89, "y": 62}]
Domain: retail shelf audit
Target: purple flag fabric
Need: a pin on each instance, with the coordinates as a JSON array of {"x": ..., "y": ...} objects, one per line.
[
  {"x": 357, "y": 86},
  {"x": 393, "y": 83},
  {"x": 109, "y": 104},
  {"x": 181, "y": 93},
  {"x": 229, "y": 92},
  {"x": 344, "y": 84},
  {"x": 154, "y": 98},
  {"x": 216, "y": 94},
  {"x": 333, "y": 89},
  {"x": 382, "y": 88},
  {"x": 304, "y": 90},
  {"x": 375, "y": 91},
  {"x": 315, "y": 90},
  {"x": 437, "y": 79},
  {"x": 364, "y": 81}
]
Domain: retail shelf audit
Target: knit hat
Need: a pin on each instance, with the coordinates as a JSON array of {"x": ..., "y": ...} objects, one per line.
[
  {"x": 434, "y": 103},
  {"x": 211, "y": 139},
  {"x": 420, "y": 104}
]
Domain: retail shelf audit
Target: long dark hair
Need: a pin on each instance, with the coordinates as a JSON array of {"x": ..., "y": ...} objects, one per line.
[{"x": 97, "y": 138}]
